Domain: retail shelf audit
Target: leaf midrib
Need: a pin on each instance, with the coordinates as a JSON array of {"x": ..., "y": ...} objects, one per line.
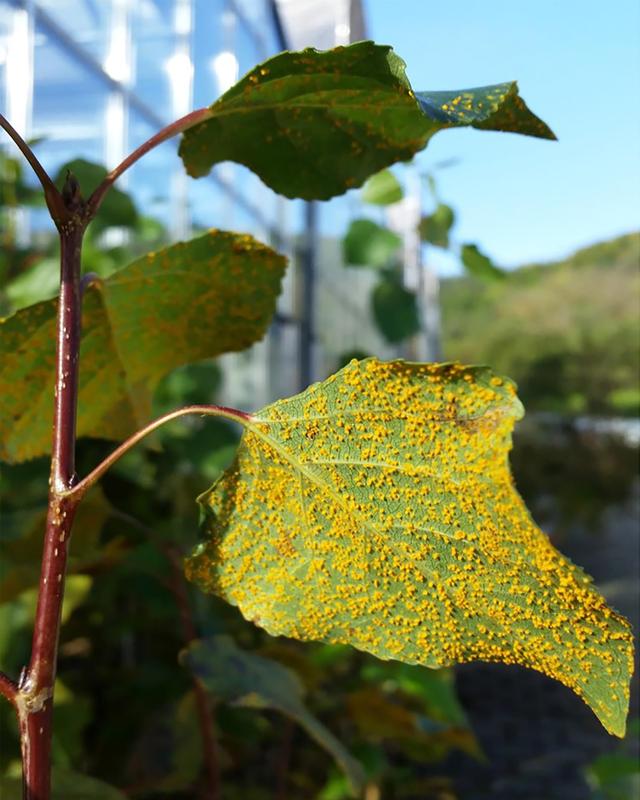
[{"x": 295, "y": 105}]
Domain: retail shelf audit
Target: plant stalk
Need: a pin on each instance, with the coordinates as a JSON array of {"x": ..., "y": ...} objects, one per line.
[
  {"x": 8, "y": 688},
  {"x": 34, "y": 700},
  {"x": 179, "y": 126},
  {"x": 78, "y": 490},
  {"x": 53, "y": 198}
]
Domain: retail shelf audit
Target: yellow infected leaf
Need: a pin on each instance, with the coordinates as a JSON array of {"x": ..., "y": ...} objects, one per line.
[
  {"x": 377, "y": 509},
  {"x": 193, "y": 300}
]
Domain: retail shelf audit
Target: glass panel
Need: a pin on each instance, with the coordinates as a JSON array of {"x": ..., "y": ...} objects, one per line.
[
  {"x": 90, "y": 26},
  {"x": 6, "y": 12},
  {"x": 153, "y": 44},
  {"x": 208, "y": 41},
  {"x": 256, "y": 16},
  {"x": 247, "y": 51},
  {"x": 72, "y": 105},
  {"x": 149, "y": 180},
  {"x": 68, "y": 105}
]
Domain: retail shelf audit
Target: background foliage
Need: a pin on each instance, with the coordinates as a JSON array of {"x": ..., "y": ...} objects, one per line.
[
  {"x": 129, "y": 615},
  {"x": 567, "y": 332}
]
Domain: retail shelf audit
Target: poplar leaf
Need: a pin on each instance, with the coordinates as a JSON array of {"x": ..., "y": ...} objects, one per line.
[
  {"x": 479, "y": 265},
  {"x": 377, "y": 509},
  {"x": 382, "y": 189},
  {"x": 313, "y": 124},
  {"x": 395, "y": 309},
  {"x": 435, "y": 227},
  {"x": 198, "y": 299},
  {"x": 368, "y": 244},
  {"x": 251, "y": 680}
]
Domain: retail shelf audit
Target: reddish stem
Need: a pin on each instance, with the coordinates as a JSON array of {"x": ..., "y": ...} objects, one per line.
[
  {"x": 53, "y": 197},
  {"x": 8, "y": 688},
  {"x": 32, "y": 698},
  {"x": 80, "y": 488},
  {"x": 34, "y": 701},
  {"x": 67, "y": 358},
  {"x": 179, "y": 126}
]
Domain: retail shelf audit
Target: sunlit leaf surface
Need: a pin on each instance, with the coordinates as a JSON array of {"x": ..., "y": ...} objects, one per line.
[
  {"x": 377, "y": 509},
  {"x": 214, "y": 294},
  {"x": 313, "y": 124},
  {"x": 249, "y": 679}
]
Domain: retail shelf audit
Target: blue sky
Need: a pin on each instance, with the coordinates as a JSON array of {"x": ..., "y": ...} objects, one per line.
[{"x": 578, "y": 66}]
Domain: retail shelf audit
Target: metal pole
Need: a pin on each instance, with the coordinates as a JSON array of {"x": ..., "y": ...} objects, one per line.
[{"x": 308, "y": 256}]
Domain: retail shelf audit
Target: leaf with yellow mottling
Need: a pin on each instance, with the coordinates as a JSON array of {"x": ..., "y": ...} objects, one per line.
[
  {"x": 198, "y": 299},
  {"x": 313, "y": 124},
  {"x": 377, "y": 509}
]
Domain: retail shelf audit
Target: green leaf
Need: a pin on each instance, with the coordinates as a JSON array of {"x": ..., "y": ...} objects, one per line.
[
  {"x": 14, "y": 191},
  {"x": 377, "y": 509},
  {"x": 616, "y": 775},
  {"x": 382, "y": 189},
  {"x": 191, "y": 384},
  {"x": 395, "y": 310},
  {"x": 251, "y": 680},
  {"x": 435, "y": 688},
  {"x": 20, "y": 555},
  {"x": 214, "y": 294},
  {"x": 435, "y": 227},
  {"x": 168, "y": 753},
  {"x": 66, "y": 785},
  {"x": 380, "y": 717},
  {"x": 492, "y": 108},
  {"x": 313, "y": 124},
  {"x": 39, "y": 282},
  {"x": 73, "y": 715},
  {"x": 117, "y": 209},
  {"x": 479, "y": 265},
  {"x": 368, "y": 244}
]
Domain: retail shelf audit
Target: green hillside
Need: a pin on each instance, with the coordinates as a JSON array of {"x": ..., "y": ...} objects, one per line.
[{"x": 568, "y": 332}]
